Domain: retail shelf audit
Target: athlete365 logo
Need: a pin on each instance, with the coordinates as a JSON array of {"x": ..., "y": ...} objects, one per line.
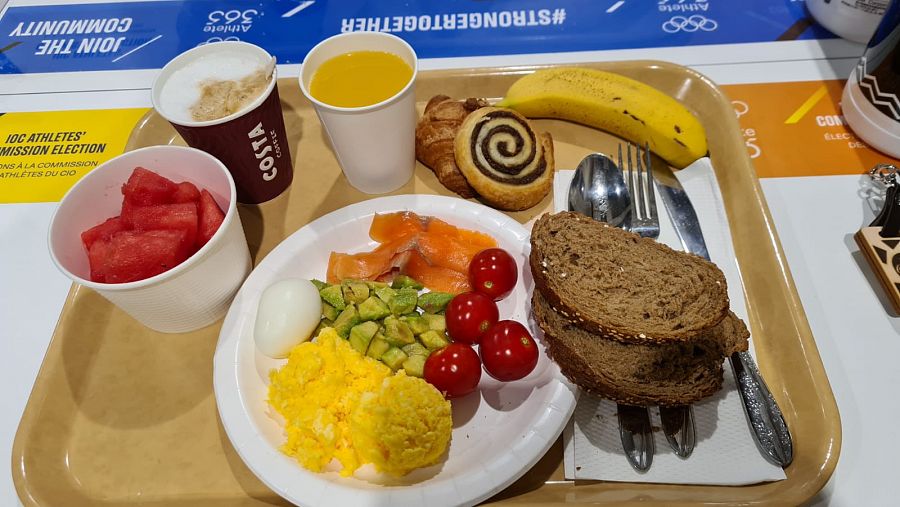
[{"x": 689, "y": 24}]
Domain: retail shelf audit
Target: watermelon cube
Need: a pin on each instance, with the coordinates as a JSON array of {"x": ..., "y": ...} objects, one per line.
[
  {"x": 211, "y": 217},
  {"x": 186, "y": 192},
  {"x": 98, "y": 252},
  {"x": 126, "y": 213},
  {"x": 102, "y": 231},
  {"x": 161, "y": 224},
  {"x": 145, "y": 188},
  {"x": 133, "y": 255},
  {"x": 164, "y": 216}
]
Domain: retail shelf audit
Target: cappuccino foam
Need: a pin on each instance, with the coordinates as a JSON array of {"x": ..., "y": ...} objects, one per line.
[{"x": 200, "y": 90}]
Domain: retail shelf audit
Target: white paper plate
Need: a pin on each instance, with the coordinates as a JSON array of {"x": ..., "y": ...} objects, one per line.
[{"x": 499, "y": 432}]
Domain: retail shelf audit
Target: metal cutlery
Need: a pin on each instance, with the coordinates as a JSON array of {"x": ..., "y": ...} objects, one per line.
[
  {"x": 636, "y": 435},
  {"x": 639, "y": 447},
  {"x": 678, "y": 422},
  {"x": 679, "y": 428},
  {"x": 629, "y": 202},
  {"x": 605, "y": 192},
  {"x": 763, "y": 414},
  {"x": 599, "y": 190},
  {"x": 645, "y": 222}
]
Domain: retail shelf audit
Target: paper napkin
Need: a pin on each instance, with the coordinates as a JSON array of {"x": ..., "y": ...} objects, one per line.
[{"x": 726, "y": 453}]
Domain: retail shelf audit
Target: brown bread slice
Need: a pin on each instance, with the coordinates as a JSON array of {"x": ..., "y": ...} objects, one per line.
[
  {"x": 614, "y": 283},
  {"x": 667, "y": 374}
]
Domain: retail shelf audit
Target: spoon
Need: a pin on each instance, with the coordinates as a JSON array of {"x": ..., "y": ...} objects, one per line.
[{"x": 598, "y": 191}]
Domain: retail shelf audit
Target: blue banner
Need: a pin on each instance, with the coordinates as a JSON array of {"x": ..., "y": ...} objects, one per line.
[{"x": 145, "y": 35}]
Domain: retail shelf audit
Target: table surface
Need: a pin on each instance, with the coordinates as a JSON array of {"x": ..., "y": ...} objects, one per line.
[{"x": 816, "y": 216}]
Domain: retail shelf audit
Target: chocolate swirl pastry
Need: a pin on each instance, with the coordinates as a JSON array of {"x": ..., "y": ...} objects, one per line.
[{"x": 504, "y": 159}]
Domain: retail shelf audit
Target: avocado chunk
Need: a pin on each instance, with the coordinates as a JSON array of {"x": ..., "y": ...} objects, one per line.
[
  {"x": 377, "y": 346},
  {"x": 346, "y": 320},
  {"x": 329, "y": 312},
  {"x": 322, "y": 325},
  {"x": 354, "y": 291},
  {"x": 405, "y": 282},
  {"x": 394, "y": 358},
  {"x": 373, "y": 285},
  {"x": 333, "y": 296},
  {"x": 434, "y": 302},
  {"x": 319, "y": 284},
  {"x": 434, "y": 340},
  {"x": 414, "y": 366},
  {"x": 397, "y": 333},
  {"x": 435, "y": 322},
  {"x": 385, "y": 294},
  {"x": 416, "y": 323},
  {"x": 404, "y": 302},
  {"x": 373, "y": 309},
  {"x": 361, "y": 334},
  {"x": 415, "y": 349}
]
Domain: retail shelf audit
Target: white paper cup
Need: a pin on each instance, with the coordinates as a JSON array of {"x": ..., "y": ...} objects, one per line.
[
  {"x": 375, "y": 145},
  {"x": 189, "y": 296}
]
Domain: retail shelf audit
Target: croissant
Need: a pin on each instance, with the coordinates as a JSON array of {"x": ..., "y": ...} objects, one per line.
[{"x": 435, "y": 135}]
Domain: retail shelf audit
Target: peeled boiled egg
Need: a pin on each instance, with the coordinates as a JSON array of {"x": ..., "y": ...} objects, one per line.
[{"x": 289, "y": 311}]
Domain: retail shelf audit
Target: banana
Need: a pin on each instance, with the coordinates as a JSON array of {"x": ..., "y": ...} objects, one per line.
[{"x": 614, "y": 103}]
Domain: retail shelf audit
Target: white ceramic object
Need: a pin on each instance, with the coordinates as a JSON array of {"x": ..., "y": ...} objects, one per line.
[
  {"x": 375, "y": 145},
  {"x": 855, "y": 21},
  {"x": 499, "y": 432},
  {"x": 878, "y": 130},
  {"x": 871, "y": 99},
  {"x": 193, "y": 294}
]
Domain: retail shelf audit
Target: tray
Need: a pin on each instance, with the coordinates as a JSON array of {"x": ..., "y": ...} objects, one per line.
[{"x": 120, "y": 415}]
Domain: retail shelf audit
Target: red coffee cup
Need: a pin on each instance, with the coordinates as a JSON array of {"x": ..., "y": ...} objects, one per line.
[{"x": 249, "y": 137}]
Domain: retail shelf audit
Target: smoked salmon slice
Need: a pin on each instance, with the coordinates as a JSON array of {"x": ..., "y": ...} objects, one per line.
[
  {"x": 369, "y": 265},
  {"x": 446, "y": 251},
  {"x": 392, "y": 225},
  {"x": 441, "y": 228},
  {"x": 428, "y": 249},
  {"x": 436, "y": 278}
]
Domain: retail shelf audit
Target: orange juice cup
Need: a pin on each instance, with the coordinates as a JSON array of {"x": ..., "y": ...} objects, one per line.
[{"x": 375, "y": 144}]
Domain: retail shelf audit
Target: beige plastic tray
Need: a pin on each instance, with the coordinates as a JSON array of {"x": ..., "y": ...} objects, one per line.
[{"x": 120, "y": 415}]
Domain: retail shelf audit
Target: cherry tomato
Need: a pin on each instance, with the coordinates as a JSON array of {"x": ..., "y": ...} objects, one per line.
[
  {"x": 454, "y": 370},
  {"x": 469, "y": 315},
  {"x": 493, "y": 272},
  {"x": 508, "y": 351}
]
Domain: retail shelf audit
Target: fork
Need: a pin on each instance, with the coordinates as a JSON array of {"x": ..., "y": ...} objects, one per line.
[
  {"x": 645, "y": 219},
  {"x": 634, "y": 422}
]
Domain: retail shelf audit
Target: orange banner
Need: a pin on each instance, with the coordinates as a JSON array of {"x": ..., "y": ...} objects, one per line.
[{"x": 796, "y": 129}]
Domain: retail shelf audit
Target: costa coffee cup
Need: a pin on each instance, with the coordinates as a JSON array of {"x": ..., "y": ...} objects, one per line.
[{"x": 249, "y": 138}]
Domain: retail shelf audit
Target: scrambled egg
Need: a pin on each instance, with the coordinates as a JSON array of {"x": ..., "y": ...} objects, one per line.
[
  {"x": 404, "y": 426},
  {"x": 339, "y": 404}
]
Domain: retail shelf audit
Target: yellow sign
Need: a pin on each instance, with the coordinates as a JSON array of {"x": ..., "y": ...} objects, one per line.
[{"x": 43, "y": 154}]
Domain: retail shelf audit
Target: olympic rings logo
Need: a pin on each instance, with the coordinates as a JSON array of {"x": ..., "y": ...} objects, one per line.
[{"x": 691, "y": 24}]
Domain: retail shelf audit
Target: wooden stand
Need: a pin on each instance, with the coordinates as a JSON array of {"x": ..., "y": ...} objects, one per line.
[{"x": 883, "y": 255}]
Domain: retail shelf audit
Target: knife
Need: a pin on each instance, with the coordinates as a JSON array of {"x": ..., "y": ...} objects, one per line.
[{"x": 763, "y": 414}]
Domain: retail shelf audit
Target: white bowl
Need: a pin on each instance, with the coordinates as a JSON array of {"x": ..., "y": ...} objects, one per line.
[{"x": 193, "y": 294}]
